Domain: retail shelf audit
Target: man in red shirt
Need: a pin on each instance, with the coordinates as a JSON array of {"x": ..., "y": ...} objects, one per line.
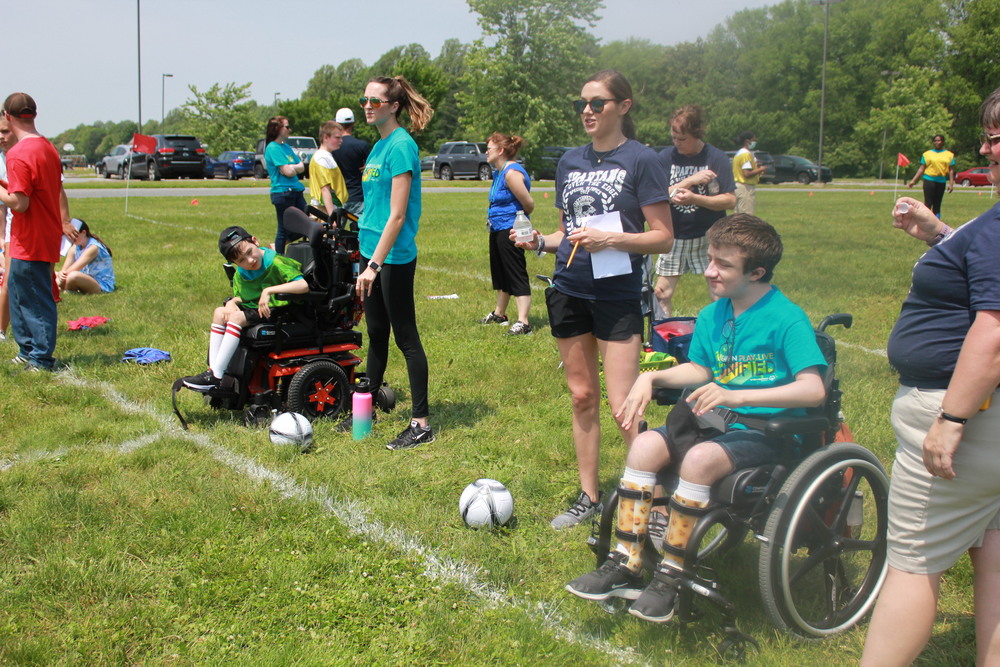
[{"x": 34, "y": 174}]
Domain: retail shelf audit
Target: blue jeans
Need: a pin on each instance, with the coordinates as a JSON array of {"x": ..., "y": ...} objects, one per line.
[
  {"x": 283, "y": 201},
  {"x": 33, "y": 314}
]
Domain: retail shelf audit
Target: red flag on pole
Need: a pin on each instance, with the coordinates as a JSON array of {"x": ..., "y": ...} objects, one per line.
[
  {"x": 142, "y": 143},
  {"x": 902, "y": 160}
]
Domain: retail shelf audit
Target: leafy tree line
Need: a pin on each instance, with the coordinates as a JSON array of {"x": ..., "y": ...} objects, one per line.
[{"x": 898, "y": 72}]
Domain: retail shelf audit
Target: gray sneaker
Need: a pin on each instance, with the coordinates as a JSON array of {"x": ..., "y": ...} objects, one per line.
[
  {"x": 493, "y": 318},
  {"x": 519, "y": 329},
  {"x": 658, "y": 523},
  {"x": 581, "y": 510},
  {"x": 656, "y": 603},
  {"x": 612, "y": 579}
]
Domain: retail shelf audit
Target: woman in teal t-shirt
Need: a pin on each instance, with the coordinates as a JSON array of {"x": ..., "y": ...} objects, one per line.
[
  {"x": 387, "y": 234},
  {"x": 283, "y": 168}
]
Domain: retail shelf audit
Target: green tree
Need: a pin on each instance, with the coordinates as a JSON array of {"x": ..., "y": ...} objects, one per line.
[
  {"x": 905, "y": 115},
  {"x": 223, "y": 117},
  {"x": 524, "y": 72}
]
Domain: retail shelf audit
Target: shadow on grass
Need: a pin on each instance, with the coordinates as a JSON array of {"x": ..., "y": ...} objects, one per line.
[
  {"x": 91, "y": 360},
  {"x": 457, "y": 413},
  {"x": 953, "y": 642}
]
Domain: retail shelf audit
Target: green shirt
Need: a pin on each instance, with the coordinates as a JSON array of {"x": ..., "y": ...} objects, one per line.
[{"x": 275, "y": 270}]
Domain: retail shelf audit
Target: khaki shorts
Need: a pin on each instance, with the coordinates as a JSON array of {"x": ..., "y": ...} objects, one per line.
[
  {"x": 933, "y": 521},
  {"x": 745, "y": 198}
]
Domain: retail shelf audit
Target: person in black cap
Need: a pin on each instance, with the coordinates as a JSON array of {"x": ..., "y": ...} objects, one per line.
[{"x": 260, "y": 274}]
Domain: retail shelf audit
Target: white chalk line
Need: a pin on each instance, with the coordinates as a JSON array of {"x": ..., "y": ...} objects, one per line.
[
  {"x": 869, "y": 350},
  {"x": 349, "y": 512}
]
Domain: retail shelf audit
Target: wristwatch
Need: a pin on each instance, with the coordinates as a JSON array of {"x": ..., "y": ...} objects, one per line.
[
  {"x": 952, "y": 418},
  {"x": 374, "y": 266}
]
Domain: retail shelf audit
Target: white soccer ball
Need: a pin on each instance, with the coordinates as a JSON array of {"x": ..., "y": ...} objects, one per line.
[
  {"x": 291, "y": 428},
  {"x": 486, "y": 502}
]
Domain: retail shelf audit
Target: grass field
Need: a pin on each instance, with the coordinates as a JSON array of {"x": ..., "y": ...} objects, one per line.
[{"x": 124, "y": 540}]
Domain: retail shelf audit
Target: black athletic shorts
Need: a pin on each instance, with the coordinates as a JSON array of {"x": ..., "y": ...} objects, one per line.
[{"x": 571, "y": 316}]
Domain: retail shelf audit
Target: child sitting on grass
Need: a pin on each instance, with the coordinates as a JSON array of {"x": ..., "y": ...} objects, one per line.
[
  {"x": 88, "y": 268},
  {"x": 260, "y": 274}
]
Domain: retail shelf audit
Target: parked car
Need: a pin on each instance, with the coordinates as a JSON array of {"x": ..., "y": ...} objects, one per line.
[
  {"x": 427, "y": 163},
  {"x": 233, "y": 164},
  {"x": 764, "y": 159},
  {"x": 114, "y": 162},
  {"x": 977, "y": 176},
  {"x": 462, "y": 158},
  {"x": 304, "y": 147},
  {"x": 550, "y": 158},
  {"x": 176, "y": 155},
  {"x": 794, "y": 168}
]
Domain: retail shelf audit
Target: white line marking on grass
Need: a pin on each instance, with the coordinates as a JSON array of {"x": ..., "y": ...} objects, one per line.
[
  {"x": 535, "y": 286},
  {"x": 354, "y": 516},
  {"x": 854, "y": 346},
  {"x": 170, "y": 224}
]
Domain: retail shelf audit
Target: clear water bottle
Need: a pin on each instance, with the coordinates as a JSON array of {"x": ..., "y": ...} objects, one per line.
[
  {"x": 523, "y": 233},
  {"x": 361, "y": 410}
]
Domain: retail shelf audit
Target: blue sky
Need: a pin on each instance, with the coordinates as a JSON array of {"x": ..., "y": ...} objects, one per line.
[{"x": 78, "y": 58}]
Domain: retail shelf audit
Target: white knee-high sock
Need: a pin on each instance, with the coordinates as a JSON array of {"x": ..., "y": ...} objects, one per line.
[
  {"x": 214, "y": 341},
  {"x": 230, "y": 341}
]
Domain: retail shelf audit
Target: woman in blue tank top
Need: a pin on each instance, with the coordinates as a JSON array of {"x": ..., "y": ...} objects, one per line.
[{"x": 509, "y": 194}]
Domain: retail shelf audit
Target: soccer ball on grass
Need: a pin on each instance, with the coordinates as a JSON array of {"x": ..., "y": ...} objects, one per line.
[
  {"x": 486, "y": 503},
  {"x": 291, "y": 428}
]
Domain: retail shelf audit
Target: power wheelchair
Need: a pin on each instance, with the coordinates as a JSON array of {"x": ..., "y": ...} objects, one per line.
[
  {"x": 820, "y": 514},
  {"x": 304, "y": 361}
]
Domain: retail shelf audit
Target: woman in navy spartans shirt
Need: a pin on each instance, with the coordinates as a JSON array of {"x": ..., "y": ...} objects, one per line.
[{"x": 597, "y": 319}]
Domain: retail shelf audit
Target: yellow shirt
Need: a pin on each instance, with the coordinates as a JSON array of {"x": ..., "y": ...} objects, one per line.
[
  {"x": 743, "y": 162},
  {"x": 936, "y": 164},
  {"x": 323, "y": 172}
]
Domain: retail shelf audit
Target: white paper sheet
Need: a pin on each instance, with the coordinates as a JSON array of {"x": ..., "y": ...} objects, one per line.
[{"x": 610, "y": 261}]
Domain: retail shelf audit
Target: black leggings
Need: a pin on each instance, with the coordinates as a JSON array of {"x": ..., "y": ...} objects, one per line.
[
  {"x": 933, "y": 194},
  {"x": 388, "y": 308}
]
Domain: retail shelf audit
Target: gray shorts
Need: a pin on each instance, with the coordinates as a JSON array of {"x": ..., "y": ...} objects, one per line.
[
  {"x": 686, "y": 256},
  {"x": 745, "y": 448},
  {"x": 933, "y": 521}
]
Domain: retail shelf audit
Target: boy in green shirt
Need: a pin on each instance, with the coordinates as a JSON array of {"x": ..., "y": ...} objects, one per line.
[{"x": 260, "y": 274}]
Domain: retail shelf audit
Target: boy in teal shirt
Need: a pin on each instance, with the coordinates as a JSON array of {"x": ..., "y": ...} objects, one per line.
[
  {"x": 753, "y": 351},
  {"x": 260, "y": 274}
]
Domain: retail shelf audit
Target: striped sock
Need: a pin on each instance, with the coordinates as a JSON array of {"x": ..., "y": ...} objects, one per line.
[{"x": 230, "y": 341}]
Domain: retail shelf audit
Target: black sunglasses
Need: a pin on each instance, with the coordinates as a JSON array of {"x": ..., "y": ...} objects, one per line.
[
  {"x": 374, "y": 101},
  {"x": 597, "y": 106}
]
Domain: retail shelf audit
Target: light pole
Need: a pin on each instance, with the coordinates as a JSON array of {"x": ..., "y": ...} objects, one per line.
[
  {"x": 276, "y": 100},
  {"x": 163, "y": 95},
  {"x": 885, "y": 130},
  {"x": 822, "y": 88}
]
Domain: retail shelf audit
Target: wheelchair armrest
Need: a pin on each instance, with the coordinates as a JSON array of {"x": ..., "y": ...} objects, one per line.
[
  {"x": 666, "y": 396},
  {"x": 797, "y": 425},
  {"x": 311, "y": 296}
]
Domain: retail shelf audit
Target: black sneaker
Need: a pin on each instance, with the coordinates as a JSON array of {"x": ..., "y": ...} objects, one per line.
[
  {"x": 493, "y": 318},
  {"x": 202, "y": 382},
  {"x": 612, "y": 579},
  {"x": 656, "y": 604},
  {"x": 579, "y": 511},
  {"x": 412, "y": 436}
]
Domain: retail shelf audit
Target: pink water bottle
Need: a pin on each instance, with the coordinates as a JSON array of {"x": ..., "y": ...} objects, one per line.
[{"x": 361, "y": 408}]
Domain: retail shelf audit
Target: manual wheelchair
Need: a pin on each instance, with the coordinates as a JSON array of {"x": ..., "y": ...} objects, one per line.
[
  {"x": 305, "y": 361},
  {"x": 820, "y": 514}
]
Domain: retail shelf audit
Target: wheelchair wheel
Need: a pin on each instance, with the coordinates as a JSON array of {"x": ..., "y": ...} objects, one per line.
[
  {"x": 319, "y": 389},
  {"x": 824, "y": 558}
]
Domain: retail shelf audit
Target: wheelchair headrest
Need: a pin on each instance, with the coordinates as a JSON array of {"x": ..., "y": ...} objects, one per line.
[{"x": 299, "y": 223}]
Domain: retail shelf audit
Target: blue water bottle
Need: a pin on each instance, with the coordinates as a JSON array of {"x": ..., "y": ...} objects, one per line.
[{"x": 361, "y": 408}]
